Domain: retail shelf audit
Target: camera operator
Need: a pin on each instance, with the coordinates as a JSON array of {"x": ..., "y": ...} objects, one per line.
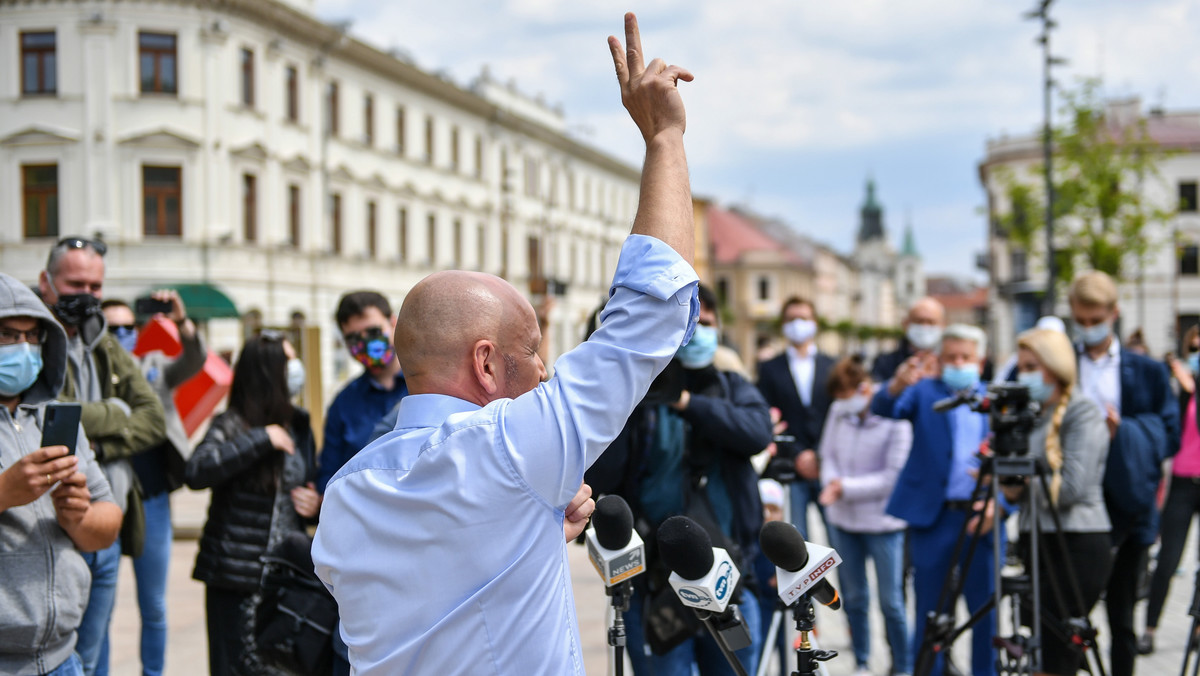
[
  {"x": 1072, "y": 439},
  {"x": 934, "y": 493}
]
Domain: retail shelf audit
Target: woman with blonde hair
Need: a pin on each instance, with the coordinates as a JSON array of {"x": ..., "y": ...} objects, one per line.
[{"x": 1071, "y": 439}]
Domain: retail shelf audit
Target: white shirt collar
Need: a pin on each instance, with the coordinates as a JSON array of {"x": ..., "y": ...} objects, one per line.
[{"x": 795, "y": 355}]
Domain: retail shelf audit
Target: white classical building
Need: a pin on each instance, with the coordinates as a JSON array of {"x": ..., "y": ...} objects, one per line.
[
  {"x": 246, "y": 147},
  {"x": 1161, "y": 295}
]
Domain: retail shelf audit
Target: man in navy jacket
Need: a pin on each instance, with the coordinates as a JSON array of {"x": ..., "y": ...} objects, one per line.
[
  {"x": 935, "y": 490},
  {"x": 1134, "y": 392}
]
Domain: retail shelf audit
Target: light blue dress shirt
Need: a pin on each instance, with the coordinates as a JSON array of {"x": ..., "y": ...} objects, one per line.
[
  {"x": 969, "y": 430},
  {"x": 443, "y": 540}
]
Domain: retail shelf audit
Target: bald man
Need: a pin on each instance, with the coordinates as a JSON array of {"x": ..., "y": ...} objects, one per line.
[
  {"x": 444, "y": 542},
  {"x": 923, "y": 327}
]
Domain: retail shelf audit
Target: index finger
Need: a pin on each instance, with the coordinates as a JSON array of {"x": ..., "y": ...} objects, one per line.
[
  {"x": 46, "y": 454},
  {"x": 633, "y": 45}
]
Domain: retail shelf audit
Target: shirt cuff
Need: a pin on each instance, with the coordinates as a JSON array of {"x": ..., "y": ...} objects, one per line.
[{"x": 649, "y": 266}]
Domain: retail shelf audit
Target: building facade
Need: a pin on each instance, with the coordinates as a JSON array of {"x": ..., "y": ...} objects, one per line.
[
  {"x": 1160, "y": 294},
  {"x": 247, "y": 146}
]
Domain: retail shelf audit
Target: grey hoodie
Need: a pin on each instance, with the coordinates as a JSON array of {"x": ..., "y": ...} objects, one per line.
[{"x": 44, "y": 581}]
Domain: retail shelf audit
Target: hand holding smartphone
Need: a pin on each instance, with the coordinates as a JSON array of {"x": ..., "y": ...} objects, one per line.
[{"x": 60, "y": 426}]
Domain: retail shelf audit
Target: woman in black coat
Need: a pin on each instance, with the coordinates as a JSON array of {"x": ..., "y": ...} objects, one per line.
[{"x": 258, "y": 458}]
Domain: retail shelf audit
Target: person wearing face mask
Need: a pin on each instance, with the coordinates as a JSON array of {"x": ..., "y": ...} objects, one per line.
[
  {"x": 1183, "y": 495},
  {"x": 934, "y": 491},
  {"x": 54, "y": 506},
  {"x": 258, "y": 457},
  {"x": 1071, "y": 439},
  {"x": 366, "y": 321},
  {"x": 1133, "y": 393},
  {"x": 793, "y": 382},
  {"x": 923, "y": 327},
  {"x": 686, "y": 455},
  {"x": 151, "y": 468},
  {"x": 861, "y": 457},
  {"x": 121, "y": 415}
]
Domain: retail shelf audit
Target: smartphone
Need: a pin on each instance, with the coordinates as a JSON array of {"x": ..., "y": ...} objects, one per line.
[
  {"x": 60, "y": 426},
  {"x": 150, "y": 306}
]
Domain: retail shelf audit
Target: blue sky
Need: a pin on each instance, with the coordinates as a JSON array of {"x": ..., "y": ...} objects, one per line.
[{"x": 796, "y": 101}]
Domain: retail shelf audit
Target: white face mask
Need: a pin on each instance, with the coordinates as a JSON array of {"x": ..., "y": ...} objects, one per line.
[
  {"x": 295, "y": 376},
  {"x": 856, "y": 404},
  {"x": 923, "y": 336},
  {"x": 799, "y": 331}
]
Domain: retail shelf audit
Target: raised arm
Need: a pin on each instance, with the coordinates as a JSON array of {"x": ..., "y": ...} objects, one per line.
[{"x": 649, "y": 93}]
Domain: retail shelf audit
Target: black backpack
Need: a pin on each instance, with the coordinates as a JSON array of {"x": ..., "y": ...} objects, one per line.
[{"x": 296, "y": 618}]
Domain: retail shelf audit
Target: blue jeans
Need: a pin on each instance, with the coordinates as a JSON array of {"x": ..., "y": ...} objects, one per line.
[
  {"x": 699, "y": 651},
  {"x": 887, "y": 551},
  {"x": 804, "y": 493},
  {"x": 72, "y": 667},
  {"x": 150, "y": 571},
  {"x": 92, "y": 646}
]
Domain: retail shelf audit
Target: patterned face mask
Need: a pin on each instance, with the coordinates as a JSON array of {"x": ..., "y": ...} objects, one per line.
[{"x": 371, "y": 348}]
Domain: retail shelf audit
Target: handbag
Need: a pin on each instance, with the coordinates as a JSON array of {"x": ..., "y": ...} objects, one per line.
[{"x": 295, "y": 620}]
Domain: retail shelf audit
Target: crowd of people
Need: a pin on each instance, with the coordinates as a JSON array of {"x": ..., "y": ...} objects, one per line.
[{"x": 455, "y": 470}]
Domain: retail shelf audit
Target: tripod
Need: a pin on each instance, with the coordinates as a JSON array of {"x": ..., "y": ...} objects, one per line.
[
  {"x": 1017, "y": 653},
  {"x": 1193, "y": 644},
  {"x": 620, "y": 594},
  {"x": 808, "y": 658}
]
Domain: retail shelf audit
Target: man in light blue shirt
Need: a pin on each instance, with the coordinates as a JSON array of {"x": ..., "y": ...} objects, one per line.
[{"x": 443, "y": 541}]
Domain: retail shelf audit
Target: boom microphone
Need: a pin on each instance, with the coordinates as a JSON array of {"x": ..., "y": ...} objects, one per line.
[
  {"x": 616, "y": 551},
  {"x": 797, "y": 572}
]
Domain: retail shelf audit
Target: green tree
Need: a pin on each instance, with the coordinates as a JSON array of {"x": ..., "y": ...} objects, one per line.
[{"x": 1100, "y": 211}]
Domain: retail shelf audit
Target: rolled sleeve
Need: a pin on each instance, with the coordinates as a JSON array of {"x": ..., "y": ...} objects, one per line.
[{"x": 648, "y": 266}]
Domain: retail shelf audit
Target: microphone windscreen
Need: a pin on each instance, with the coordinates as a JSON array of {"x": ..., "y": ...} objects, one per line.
[
  {"x": 613, "y": 522},
  {"x": 783, "y": 545},
  {"x": 685, "y": 547}
]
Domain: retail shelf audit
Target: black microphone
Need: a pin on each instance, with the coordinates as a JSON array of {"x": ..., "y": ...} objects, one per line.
[
  {"x": 686, "y": 547},
  {"x": 957, "y": 400},
  {"x": 783, "y": 546},
  {"x": 613, "y": 521},
  {"x": 616, "y": 551}
]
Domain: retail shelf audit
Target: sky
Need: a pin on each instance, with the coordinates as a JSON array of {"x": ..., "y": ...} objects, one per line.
[{"x": 796, "y": 102}]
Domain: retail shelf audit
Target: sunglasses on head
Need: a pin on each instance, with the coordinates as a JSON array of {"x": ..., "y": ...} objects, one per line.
[{"x": 80, "y": 243}]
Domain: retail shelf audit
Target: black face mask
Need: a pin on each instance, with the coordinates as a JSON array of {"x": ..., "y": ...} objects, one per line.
[{"x": 76, "y": 308}]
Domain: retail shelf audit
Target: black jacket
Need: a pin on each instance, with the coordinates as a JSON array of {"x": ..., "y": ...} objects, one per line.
[
  {"x": 233, "y": 460},
  {"x": 886, "y": 364},
  {"x": 778, "y": 387}
]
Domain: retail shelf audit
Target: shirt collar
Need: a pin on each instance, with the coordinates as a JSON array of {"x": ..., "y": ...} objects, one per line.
[
  {"x": 430, "y": 410},
  {"x": 794, "y": 353},
  {"x": 1114, "y": 350}
]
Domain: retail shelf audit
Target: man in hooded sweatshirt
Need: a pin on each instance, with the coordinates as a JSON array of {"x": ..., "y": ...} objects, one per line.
[
  {"x": 54, "y": 502},
  {"x": 121, "y": 415}
]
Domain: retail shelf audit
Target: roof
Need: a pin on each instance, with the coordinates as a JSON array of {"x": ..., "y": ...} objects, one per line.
[
  {"x": 732, "y": 235},
  {"x": 965, "y": 300}
]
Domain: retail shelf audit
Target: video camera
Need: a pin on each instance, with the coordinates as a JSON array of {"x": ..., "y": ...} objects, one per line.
[{"x": 1011, "y": 412}]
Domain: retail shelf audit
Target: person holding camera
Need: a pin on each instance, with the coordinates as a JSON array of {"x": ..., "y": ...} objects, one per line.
[
  {"x": 1071, "y": 441},
  {"x": 935, "y": 491}
]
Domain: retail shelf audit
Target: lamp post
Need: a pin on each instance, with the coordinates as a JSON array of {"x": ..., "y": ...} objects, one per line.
[{"x": 1042, "y": 13}]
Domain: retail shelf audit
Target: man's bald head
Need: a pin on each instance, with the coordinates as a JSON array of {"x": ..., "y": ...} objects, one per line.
[
  {"x": 928, "y": 311},
  {"x": 467, "y": 334}
]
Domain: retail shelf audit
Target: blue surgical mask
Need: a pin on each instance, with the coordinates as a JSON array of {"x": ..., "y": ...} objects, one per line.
[
  {"x": 127, "y": 336},
  {"x": 1093, "y": 335},
  {"x": 295, "y": 376},
  {"x": 699, "y": 351},
  {"x": 1194, "y": 362},
  {"x": 961, "y": 377},
  {"x": 1039, "y": 389},
  {"x": 20, "y": 364}
]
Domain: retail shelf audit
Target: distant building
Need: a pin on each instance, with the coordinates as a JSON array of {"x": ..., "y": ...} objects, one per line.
[
  {"x": 257, "y": 153},
  {"x": 889, "y": 281},
  {"x": 965, "y": 303},
  {"x": 1162, "y": 296}
]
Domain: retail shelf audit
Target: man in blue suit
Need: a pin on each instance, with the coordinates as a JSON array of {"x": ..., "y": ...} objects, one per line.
[
  {"x": 934, "y": 492},
  {"x": 1134, "y": 393}
]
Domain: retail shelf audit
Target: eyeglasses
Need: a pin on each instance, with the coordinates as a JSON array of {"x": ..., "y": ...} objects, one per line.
[
  {"x": 115, "y": 328},
  {"x": 12, "y": 336},
  {"x": 80, "y": 243}
]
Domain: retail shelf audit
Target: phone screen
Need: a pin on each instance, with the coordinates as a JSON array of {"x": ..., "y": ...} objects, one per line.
[{"x": 60, "y": 426}]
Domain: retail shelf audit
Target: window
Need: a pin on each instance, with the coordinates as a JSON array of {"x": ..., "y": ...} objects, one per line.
[
  {"x": 372, "y": 230},
  {"x": 454, "y": 148},
  {"x": 458, "y": 243},
  {"x": 504, "y": 252},
  {"x": 1189, "y": 260},
  {"x": 431, "y": 238},
  {"x": 764, "y": 288},
  {"x": 1187, "y": 196},
  {"x": 294, "y": 215},
  {"x": 402, "y": 235},
  {"x": 478, "y": 157},
  {"x": 38, "y": 63},
  {"x": 429, "y": 139},
  {"x": 331, "y": 108},
  {"x": 369, "y": 120},
  {"x": 1019, "y": 271},
  {"x": 292, "y": 95},
  {"x": 247, "y": 78},
  {"x": 249, "y": 207},
  {"x": 723, "y": 291},
  {"x": 335, "y": 222},
  {"x": 481, "y": 247},
  {"x": 39, "y": 192},
  {"x": 162, "y": 199},
  {"x": 156, "y": 55},
  {"x": 400, "y": 131}
]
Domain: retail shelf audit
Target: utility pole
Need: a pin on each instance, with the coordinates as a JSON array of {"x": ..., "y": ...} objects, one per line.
[{"x": 1042, "y": 13}]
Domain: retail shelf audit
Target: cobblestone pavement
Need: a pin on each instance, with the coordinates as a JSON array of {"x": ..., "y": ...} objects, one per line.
[{"x": 187, "y": 645}]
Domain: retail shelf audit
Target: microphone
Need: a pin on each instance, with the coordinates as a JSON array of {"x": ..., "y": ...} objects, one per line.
[
  {"x": 703, "y": 578},
  {"x": 796, "y": 571},
  {"x": 615, "y": 550}
]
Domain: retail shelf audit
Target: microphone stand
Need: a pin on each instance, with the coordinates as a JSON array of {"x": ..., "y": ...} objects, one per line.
[
  {"x": 807, "y": 658},
  {"x": 710, "y": 621},
  {"x": 620, "y": 594}
]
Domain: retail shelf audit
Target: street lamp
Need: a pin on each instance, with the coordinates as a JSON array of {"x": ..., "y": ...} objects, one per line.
[{"x": 1042, "y": 13}]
